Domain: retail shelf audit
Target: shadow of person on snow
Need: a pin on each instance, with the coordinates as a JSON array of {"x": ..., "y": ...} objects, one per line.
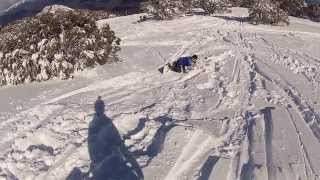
[{"x": 110, "y": 158}]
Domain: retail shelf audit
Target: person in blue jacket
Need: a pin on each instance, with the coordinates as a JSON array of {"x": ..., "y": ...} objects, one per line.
[{"x": 184, "y": 63}]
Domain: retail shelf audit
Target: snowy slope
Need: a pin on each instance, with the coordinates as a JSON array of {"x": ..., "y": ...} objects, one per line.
[
  {"x": 250, "y": 110},
  {"x": 11, "y": 10}
]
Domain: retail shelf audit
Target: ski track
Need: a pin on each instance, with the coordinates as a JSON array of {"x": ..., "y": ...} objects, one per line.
[{"x": 245, "y": 93}]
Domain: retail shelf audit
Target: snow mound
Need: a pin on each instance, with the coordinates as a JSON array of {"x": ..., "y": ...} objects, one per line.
[{"x": 54, "y": 9}]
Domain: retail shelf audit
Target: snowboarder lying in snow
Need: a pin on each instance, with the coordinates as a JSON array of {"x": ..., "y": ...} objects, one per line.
[{"x": 183, "y": 64}]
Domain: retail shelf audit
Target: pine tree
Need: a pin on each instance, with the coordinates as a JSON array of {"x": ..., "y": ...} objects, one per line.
[
  {"x": 212, "y": 6},
  {"x": 293, "y": 7},
  {"x": 167, "y": 9},
  {"x": 163, "y": 9},
  {"x": 267, "y": 12},
  {"x": 53, "y": 45},
  {"x": 246, "y": 3},
  {"x": 186, "y": 5}
]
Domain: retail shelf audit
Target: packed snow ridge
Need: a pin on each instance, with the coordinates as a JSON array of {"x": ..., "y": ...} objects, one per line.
[{"x": 249, "y": 110}]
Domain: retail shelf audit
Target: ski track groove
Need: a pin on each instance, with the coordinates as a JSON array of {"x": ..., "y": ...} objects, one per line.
[
  {"x": 267, "y": 117},
  {"x": 303, "y": 149},
  {"x": 288, "y": 91},
  {"x": 54, "y": 102},
  {"x": 74, "y": 149},
  {"x": 282, "y": 89},
  {"x": 252, "y": 80}
]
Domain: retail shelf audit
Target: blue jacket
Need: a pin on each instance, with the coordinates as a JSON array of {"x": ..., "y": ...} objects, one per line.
[{"x": 184, "y": 61}]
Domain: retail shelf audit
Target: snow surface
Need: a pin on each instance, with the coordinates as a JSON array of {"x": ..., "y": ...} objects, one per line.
[{"x": 250, "y": 110}]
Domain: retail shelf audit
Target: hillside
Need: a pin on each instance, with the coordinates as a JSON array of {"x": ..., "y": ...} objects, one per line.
[
  {"x": 250, "y": 110},
  {"x": 20, "y": 9}
]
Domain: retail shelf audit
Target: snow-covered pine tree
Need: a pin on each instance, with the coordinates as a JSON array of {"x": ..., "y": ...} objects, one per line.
[
  {"x": 293, "y": 7},
  {"x": 167, "y": 9},
  {"x": 267, "y": 12},
  {"x": 235, "y": 3},
  {"x": 163, "y": 9},
  {"x": 212, "y": 6},
  {"x": 53, "y": 45},
  {"x": 186, "y": 5},
  {"x": 245, "y": 3}
]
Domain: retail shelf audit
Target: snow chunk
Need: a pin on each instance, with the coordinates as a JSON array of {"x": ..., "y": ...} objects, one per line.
[
  {"x": 58, "y": 56},
  {"x": 54, "y": 9},
  {"x": 89, "y": 54}
]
